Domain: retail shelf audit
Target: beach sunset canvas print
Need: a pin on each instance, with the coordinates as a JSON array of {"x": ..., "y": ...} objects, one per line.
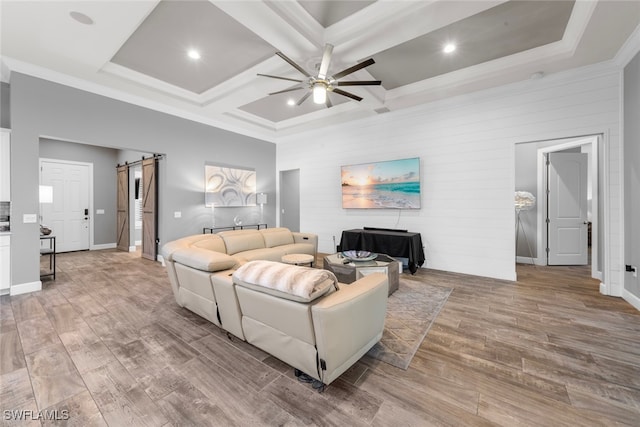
[{"x": 393, "y": 184}]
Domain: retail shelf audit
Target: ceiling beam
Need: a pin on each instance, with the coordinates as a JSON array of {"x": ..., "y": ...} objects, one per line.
[{"x": 262, "y": 20}]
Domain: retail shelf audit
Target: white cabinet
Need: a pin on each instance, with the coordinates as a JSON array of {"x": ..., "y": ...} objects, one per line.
[
  {"x": 5, "y": 264},
  {"x": 5, "y": 166}
]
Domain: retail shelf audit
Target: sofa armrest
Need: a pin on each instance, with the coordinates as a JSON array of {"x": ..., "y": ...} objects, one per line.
[
  {"x": 204, "y": 259},
  {"x": 306, "y": 238},
  {"x": 349, "y": 322},
  {"x": 168, "y": 249}
]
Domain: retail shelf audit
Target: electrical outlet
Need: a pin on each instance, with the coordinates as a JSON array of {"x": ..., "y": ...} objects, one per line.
[
  {"x": 100, "y": 212},
  {"x": 29, "y": 218},
  {"x": 177, "y": 214}
]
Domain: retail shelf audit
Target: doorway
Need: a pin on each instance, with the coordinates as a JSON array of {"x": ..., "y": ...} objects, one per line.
[
  {"x": 531, "y": 175},
  {"x": 290, "y": 199},
  {"x": 69, "y": 213},
  {"x": 567, "y": 208},
  {"x": 137, "y": 195}
]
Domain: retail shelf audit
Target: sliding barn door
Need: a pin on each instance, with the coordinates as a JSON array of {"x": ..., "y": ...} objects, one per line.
[
  {"x": 123, "y": 208},
  {"x": 149, "y": 208}
]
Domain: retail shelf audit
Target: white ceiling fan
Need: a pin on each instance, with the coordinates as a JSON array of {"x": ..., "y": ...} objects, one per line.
[{"x": 323, "y": 83}]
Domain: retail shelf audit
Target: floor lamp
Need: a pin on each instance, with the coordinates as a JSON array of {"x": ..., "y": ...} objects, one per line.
[
  {"x": 524, "y": 201},
  {"x": 261, "y": 199},
  {"x": 208, "y": 203}
]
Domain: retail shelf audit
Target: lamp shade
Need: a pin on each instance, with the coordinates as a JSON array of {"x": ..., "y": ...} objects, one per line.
[
  {"x": 46, "y": 194},
  {"x": 524, "y": 201},
  {"x": 261, "y": 199}
]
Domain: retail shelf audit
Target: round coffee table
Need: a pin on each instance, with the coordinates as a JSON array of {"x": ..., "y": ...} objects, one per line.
[{"x": 298, "y": 259}]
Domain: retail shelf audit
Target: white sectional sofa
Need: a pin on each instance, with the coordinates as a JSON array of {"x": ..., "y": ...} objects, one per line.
[
  {"x": 191, "y": 260},
  {"x": 317, "y": 325}
]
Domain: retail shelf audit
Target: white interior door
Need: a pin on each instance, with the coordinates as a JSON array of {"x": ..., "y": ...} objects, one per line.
[
  {"x": 68, "y": 215},
  {"x": 567, "y": 206}
]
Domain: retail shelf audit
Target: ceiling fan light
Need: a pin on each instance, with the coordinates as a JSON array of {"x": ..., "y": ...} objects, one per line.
[{"x": 319, "y": 93}]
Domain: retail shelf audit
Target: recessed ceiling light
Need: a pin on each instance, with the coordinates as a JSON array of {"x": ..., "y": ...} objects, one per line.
[
  {"x": 449, "y": 47},
  {"x": 81, "y": 17},
  {"x": 291, "y": 102},
  {"x": 193, "y": 54}
]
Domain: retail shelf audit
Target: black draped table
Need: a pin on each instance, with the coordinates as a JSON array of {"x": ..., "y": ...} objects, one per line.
[{"x": 393, "y": 243}]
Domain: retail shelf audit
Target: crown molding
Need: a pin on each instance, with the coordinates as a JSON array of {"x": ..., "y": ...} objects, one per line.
[{"x": 629, "y": 49}]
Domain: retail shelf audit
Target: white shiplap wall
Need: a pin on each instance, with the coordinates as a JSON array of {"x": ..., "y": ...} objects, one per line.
[{"x": 466, "y": 147}]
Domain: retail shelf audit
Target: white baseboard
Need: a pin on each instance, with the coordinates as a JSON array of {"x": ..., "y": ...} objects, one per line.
[
  {"x": 160, "y": 259},
  {"x": 530, "y": 260},
  {"x": 631, "y": 299},
  {"x": 603, "y": 289},
  {"x": 132, "y": 248},
  {"x": 25, "y": 288},
  {"x": 612, "y": 291},
  {"x": 103, "y": 246}
]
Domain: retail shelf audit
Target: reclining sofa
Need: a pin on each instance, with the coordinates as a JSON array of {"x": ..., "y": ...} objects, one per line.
[{"x": 300, "y": 315}]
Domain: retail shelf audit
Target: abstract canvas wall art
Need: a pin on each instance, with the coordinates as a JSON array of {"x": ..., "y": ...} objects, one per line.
[{"x": 229, "y": 187}]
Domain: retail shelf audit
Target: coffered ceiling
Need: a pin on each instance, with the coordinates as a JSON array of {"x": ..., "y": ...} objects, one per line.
[{"x": 137, "y": 51}]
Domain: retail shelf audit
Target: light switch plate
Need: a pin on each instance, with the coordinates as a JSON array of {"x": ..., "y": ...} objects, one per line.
[
  {"x": 177, "y": 214},
  {"x": 29, "y": 218},
  {"x": 100, "y": 212}
]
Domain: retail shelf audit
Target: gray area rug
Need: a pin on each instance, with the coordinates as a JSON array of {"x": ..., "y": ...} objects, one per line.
[{"x": 411, "y": 311}]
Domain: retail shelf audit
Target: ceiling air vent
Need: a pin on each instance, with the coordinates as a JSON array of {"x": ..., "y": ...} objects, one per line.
[{"x": 382, "y": 110}]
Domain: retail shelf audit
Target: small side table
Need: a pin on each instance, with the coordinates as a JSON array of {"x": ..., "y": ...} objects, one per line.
[
  {"x": 212, "y": 230},
  {"x": 49, "y": 251}
]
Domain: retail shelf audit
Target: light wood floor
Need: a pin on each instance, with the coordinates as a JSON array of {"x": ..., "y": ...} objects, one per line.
[{"x": 107, "y": 343}]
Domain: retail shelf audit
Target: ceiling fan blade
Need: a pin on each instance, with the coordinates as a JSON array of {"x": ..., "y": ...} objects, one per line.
[
  {"x": 326, "y": 60},
  {"x": 293, "y": 64},
  {"x": 355, "y": 68},
  {"x": 281, "y": 78},
  {"x": 347, "y": 94},
  {"x": 360, "y": 83},
  {"x": 287, "y": 90},
  {"x": 304, "y": 98}
]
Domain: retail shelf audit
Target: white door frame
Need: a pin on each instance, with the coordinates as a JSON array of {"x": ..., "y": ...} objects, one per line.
[
  {"x": 91, "y": 212},
  {"x": 563, "y": 144}
]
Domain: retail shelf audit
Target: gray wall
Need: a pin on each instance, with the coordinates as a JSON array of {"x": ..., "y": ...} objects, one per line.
[
  {"x": 41, "y": 108},
  {"x": 5, "y": 110},
  {"x": 632, "y": 172},
  {"x": 104, "y": 181}
]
